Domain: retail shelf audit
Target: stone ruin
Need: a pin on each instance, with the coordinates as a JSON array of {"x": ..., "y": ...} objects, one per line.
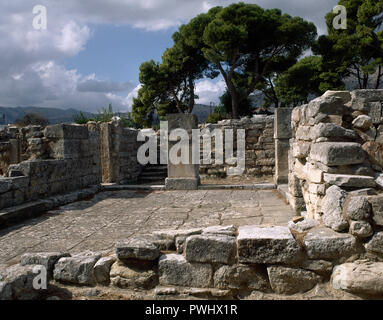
[{"x": 327, "y": 163}]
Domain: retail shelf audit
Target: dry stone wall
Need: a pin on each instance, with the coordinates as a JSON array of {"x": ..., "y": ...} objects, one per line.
[
  {"x": 335, "y": 164},
  {"x": 260, "y": 149},
  {"x": 41, "y": 162},
  {"x": 218, "y": 261}
]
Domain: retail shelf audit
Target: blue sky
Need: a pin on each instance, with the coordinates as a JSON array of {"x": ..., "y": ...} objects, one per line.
[
  {"x": 116, "y": 52},
  {"x": 89, "y": 54}
]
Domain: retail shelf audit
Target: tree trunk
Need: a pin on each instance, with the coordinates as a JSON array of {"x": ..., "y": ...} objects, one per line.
[
  {"x": 191, "y": 101},
  {"x": 234, "y": 101}
]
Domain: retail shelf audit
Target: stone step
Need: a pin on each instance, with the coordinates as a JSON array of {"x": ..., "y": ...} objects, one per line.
[{"x": 154, "y": 174}]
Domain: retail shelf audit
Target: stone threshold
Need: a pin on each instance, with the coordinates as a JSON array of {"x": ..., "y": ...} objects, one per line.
[
  {"x": 16, "y": 214},
  {"x": 258, "y": 186}
]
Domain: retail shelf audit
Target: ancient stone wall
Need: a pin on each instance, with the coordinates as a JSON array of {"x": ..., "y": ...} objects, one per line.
[
  {"x": 37, "y": 163},
  {"x": 217, "y": 261},
  {"x": 260, "y": 149},
  {"x": 336, "y": 163}
]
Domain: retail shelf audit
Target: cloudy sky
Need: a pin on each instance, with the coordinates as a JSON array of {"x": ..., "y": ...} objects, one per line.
[{"x": 90, "y": 52}]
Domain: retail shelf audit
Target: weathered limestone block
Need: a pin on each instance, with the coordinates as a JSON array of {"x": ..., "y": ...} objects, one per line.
[
  {"x": 368, "y": 135},
  {"x": 46, "y": 259},
  {"x": 376, "y": 243},
  {"x": 375, "y": 152},
  {"x": 331, "y": 130},
  {"x": 297, "y": 203},
  {"x": 321, "y": 267},
  {"x": 132, "y": 277},
  {"x": 173, "y": 234},
  {"x": 357, "y": 208},
  {"x": 301, "y": 149},
  {"x": 332, "y": 206},
  {"x": 241, "y": 276},
  {"x": 377, "y": 208},
  {"x": 344, "y": 95},
  {"x": 137, "y": 248},
  {"x": 379, "y": 180},
  {"x": 286, "y": 280},
  {"x": 77, "y": 269},
  {"x": 211, "y": 248},
  {"x": 304, "y": 225},
  {"x": 362, "y": 122},
  {"x": 312, "y": 173},
  {"x": 66, "y": 131},
  {"x": 324, "y": 243},
  {"x": 294, "y": 185},
  {"x": 367, "y": 95},
  {"x": 361, "y": 229},
  {"x": 221, "y": 230},
  {"x": 267, "y": 245},
  {"x": 337, "y": 153},
  {"x": 20, "y": 278},
  {"x": 102, "y": 269},
  {"x": 303, "y": 133},
  {"x": 315, "y": 188},
  {"x": 175, "y": 270},
  {"x": 360, "y": 277},
  {"x": 345, "y": 180},
  {"x": 331, "y": 105}
]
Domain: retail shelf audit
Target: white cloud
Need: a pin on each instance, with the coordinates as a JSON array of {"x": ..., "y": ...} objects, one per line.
[
  {"x": 209, "y": 91},
  {"x": 31, "y": 70}
]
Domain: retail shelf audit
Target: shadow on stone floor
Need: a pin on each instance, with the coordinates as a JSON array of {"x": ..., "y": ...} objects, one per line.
[{"x": 85, "y": 203}]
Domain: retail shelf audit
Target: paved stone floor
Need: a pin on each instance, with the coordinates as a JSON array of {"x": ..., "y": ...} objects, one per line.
[{"x": 114, "y": 215}]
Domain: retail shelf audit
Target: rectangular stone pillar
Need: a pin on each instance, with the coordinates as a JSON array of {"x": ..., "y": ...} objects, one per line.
[
  {"x": 182, "y": 176},
  {"x": 15, "y": 151},
  {"x": 282, "y": 135}
]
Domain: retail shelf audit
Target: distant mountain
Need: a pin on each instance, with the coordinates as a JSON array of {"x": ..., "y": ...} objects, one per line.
[{"x": 53, "y": 115}]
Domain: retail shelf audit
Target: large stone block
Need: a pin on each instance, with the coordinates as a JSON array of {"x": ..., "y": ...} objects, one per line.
[
  {"x": 374, "y": 151},
  {"x": 282, "y": 123},
  {"x": 332, "y": 131},
  {"x": 241, "y": 276},
  {"x": 20, "y": 279},
  {"x": 324, "y": 243},
  {"x": 376, "y": 243},
  {"x": 332, "y": 207},
  {"x": 132, "y": 277},
  {"x": 329, "y": 105},
  {"x": 360, "y": 277},
  {"x": 77, "y": 269},
  {"x": 66, "y": 131},
  {"x": 267, "y": 245},
  {"x": 286, "y": 280},
  {"x": 377, "y": 208},
  {"x": 211, "y": 248},
  {"x": 345, "y": 180},
  {"x": 337, "y": 153},
  {"x": 102, "y": 269},
  {"x": 356, "y": 208},
  {"x": 46, "y": 259},
  {"x": 137, "y": 248},
  {"x": 175, "y": 270}
]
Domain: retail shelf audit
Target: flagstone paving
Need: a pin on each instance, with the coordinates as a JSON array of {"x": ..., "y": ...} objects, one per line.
[{"x": 114, "y": 215}]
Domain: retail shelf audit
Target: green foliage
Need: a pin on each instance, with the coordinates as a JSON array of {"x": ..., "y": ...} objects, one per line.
[
  {"x": 356, "y": 51},
  {"x": 301, "y": 80},
  {"x": 215, "y": 117},
  {"x": 32, "y": 119},
  {"x": 245, "y": 107},
  {"x": 249, "y": 45},
  {"x": 81, "y": 118}
]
